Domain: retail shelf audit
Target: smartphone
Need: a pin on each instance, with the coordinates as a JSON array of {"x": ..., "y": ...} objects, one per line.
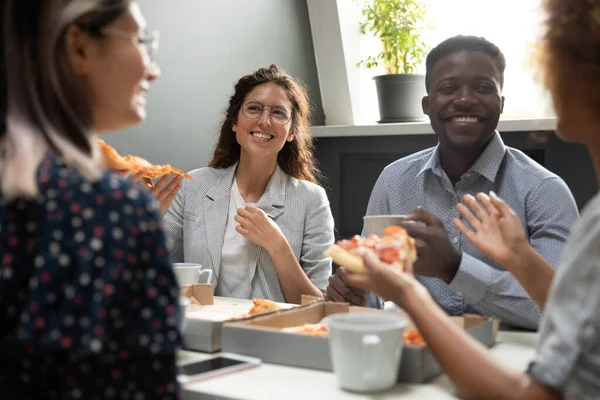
[{"x": 222, "y": 364}]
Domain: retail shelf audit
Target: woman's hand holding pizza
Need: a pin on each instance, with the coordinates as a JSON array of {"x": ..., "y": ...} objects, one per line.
[
  {"x": 381, "y": 264},
  {"x": 391, "y": 284}
]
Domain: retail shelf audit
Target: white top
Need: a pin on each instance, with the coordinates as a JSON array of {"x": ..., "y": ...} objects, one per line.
[{"x": 234, "y": 275}]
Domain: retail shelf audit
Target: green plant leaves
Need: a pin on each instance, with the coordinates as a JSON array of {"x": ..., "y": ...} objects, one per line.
[{"x": 400, "y": 25}]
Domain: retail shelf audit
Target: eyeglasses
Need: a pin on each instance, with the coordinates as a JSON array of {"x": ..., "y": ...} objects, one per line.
[
  {"x": 148, "y": 40},
  {"x": 279, "y": 115}
]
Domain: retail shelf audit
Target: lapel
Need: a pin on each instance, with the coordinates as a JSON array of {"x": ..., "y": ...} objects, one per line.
[
  {"x": 272, "y": 203},
  {"x": 273, "y": 200},
  {"x": 216, "y": 208}
]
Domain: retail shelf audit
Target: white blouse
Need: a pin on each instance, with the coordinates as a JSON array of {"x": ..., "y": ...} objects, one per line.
[{"x": 234, "y": 277}]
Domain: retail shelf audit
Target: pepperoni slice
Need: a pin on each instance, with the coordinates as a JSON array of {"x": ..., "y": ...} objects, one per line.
[{"x": 388, "y": 254}]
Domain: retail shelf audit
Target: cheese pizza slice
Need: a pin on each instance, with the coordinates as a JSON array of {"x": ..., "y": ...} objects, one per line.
[{"x": 395, "y": 247}]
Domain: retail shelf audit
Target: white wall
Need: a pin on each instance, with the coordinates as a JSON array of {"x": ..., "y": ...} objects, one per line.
[{"x": 205, "y": 47}]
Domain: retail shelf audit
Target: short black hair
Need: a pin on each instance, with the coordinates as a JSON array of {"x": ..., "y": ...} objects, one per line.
[{"x": 464, "y": 43}]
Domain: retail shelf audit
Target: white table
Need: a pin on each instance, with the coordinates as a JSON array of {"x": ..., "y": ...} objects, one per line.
[{"x": 270, "y": 381}]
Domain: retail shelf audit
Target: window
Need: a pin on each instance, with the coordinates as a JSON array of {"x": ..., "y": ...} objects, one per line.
[{"x": 513, "y": 25}]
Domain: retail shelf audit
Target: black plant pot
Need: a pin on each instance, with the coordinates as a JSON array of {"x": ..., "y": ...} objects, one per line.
[{"x": 400, "y": 97}]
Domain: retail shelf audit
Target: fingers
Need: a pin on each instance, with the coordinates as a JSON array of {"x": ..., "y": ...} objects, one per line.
[
  {"x": 414, "y": 230},
  {"x": 503, "y": 208},
  {"x": 339, "y": 290},
  {"x": 379, "y": 274},
  {"x": 147, "y": 180},
  {"x": 421, "y": 215},
  {"x": 475, "y": 207},
  {"x": 242, "y": 231},
  {"x": 244, "y": 212},
  {"x": 484, "y": 199},
  {"x": 169, "y": 191},
  {"x": 168, "y": 198},
  {"x": 139, "y": 176},
  {"x": 332, "y": 294},
  {"x": 240, "y": 220},
  {"x": 342, "y": 274},
  {"x": 463, "y": 229},
  {"x": 361, "y": 281},
  {"x": 466, "y": 213},
  {"x": 162, "y": 183},
  {"x": 372, "y": 262},
  {"x": 409, "y": 268}
]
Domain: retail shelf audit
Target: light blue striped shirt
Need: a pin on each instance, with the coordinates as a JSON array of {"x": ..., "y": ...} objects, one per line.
[{"x": 540, "y": 198}]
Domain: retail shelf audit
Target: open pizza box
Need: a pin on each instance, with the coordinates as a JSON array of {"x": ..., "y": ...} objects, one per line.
[
  {"x": 262, "y": 337},
  {"x": 205, "y": 314}
]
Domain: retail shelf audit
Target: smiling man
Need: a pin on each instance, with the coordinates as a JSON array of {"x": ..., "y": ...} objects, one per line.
[{"x": 464, "y": 101}]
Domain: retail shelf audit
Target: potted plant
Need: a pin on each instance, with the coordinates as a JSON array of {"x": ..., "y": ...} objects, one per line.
[{"x": 400, "y": 25}]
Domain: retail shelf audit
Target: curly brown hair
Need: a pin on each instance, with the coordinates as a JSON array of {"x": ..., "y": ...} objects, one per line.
[
  {"x": 570, "y": 55},
  {"x": 296, "y": 158}
]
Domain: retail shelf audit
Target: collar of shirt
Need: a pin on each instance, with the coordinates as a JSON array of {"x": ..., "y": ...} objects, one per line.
[{"x": 487, "y": 165}]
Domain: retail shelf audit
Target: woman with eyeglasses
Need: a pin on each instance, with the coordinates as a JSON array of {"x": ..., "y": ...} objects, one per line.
[
  {"x": 256, "y": 215},
  {"x": 567, "y": 360},
  {"x": 88, "y": 296}
]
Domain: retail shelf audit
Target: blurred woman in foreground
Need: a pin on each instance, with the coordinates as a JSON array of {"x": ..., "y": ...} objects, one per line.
[{"x": 88, "y": 296}]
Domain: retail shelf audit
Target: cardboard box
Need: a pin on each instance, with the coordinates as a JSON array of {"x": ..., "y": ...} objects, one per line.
[
  {"x": 198, "y": 334},
  {"x": 261, "y": 337},
  {"x": 202, "y": 326}
]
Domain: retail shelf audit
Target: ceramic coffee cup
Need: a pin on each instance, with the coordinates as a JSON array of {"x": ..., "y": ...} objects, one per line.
[
  {"x": 375, "y": 224},
  {"x": 189, "y": 273},
  {"x": 366, "y": 350}
]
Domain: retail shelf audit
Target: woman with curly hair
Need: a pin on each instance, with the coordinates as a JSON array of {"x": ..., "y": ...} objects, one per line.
[
  {"x": 256, "y": 215},
  {"x": 567, "y": 362}
]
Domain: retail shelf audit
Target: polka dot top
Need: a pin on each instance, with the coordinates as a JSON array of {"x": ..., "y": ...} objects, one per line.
[{"x": 88, "y": 296}]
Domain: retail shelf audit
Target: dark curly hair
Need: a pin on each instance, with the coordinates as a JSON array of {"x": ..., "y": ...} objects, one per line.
[
  {"x": 296, "y": 158},
  {"x": 570, "y": 54},
  {"x": 460, "y": 43}
]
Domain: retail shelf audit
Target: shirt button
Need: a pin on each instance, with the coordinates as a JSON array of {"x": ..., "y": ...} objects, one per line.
[{"x": 455, "y": 240}]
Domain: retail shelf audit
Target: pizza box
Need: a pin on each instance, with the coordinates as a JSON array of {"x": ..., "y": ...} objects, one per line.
[
  {"x": 262, "y": 337},
  {"x": 204, "y": 315}
]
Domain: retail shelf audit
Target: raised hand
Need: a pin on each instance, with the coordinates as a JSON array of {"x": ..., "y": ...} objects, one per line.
[{"x": 495, "y": 228}]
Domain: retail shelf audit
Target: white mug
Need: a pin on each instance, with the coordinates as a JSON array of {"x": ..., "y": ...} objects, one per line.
[
  {"x": 366, "y": 350},
  {"x": 189, "y": 273},
  {"x": 375, "y": 224}
]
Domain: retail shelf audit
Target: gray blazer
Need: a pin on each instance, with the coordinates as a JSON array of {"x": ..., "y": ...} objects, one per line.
[{"x": 196, "y": 221}]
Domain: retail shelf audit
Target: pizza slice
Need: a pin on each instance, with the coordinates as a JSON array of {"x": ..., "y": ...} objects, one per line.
[
  {"x": 413, "y": 337},
  {"x": 260, "y": 306},
  {"x": 320, "y": 330},
  {"x": 395, "y": 247},
  {"x": 134, "y": 164}
]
